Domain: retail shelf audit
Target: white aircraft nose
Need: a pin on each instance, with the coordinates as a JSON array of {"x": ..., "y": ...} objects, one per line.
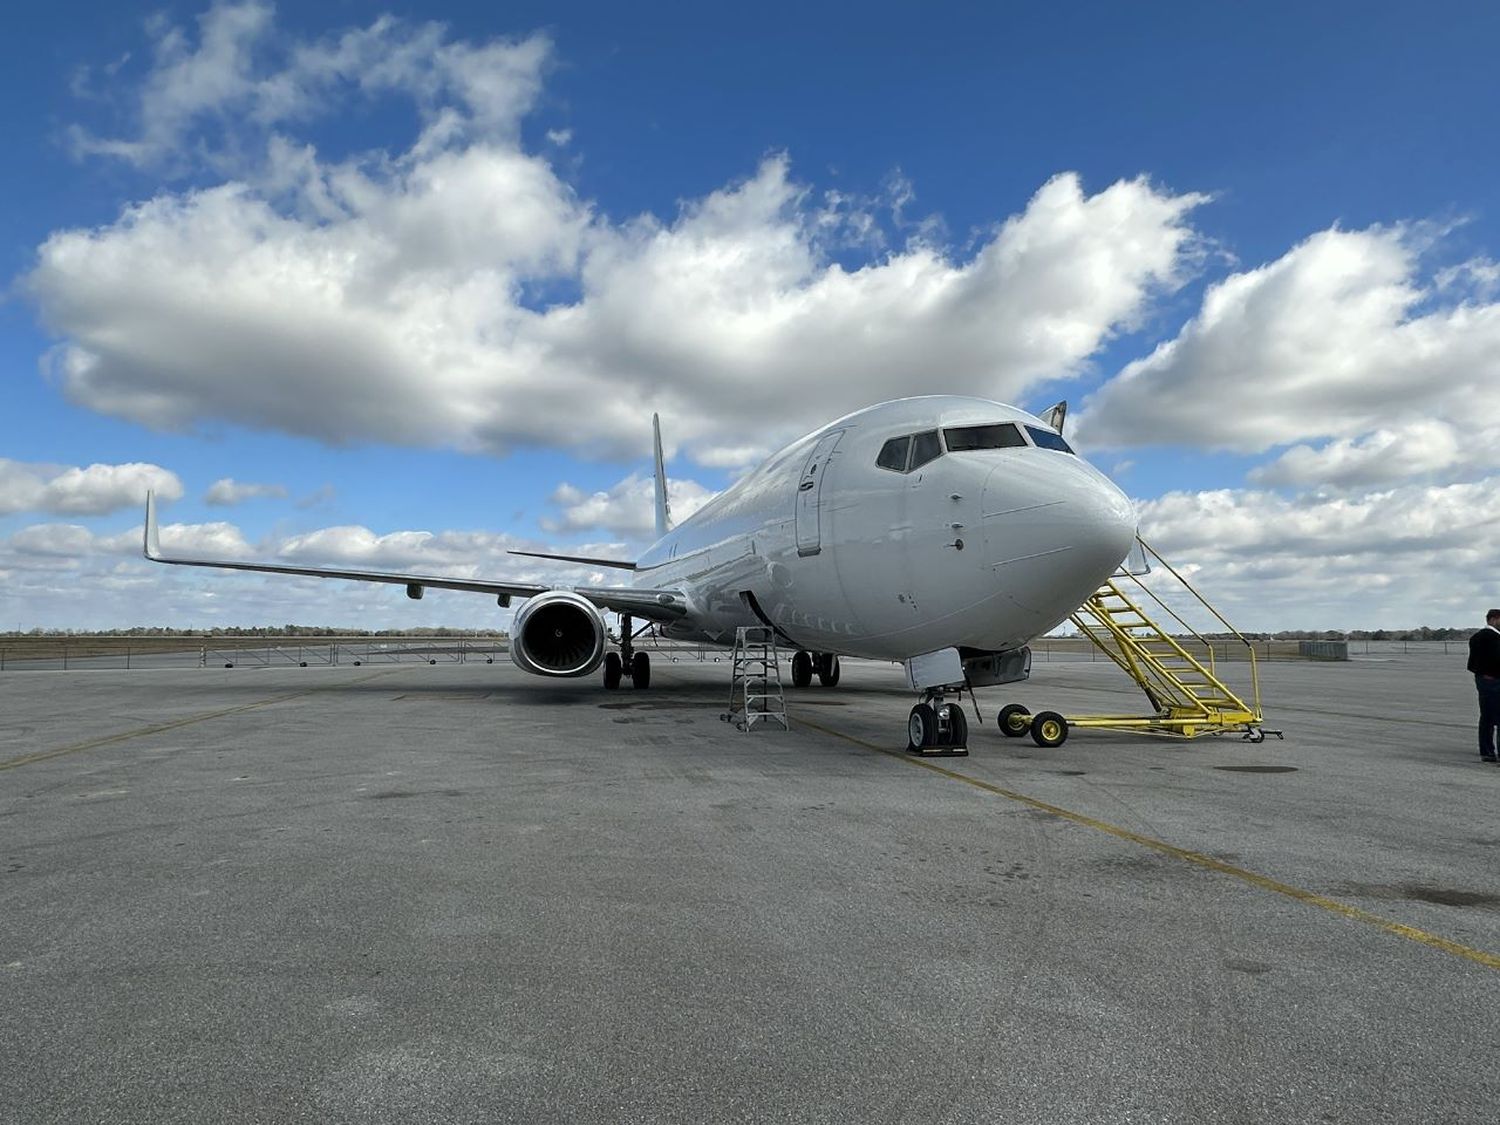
[{"x": 1055, "y": 529}]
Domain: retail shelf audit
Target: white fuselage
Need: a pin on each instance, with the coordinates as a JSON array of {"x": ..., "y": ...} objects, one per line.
[{"x": 984, "y": 548}]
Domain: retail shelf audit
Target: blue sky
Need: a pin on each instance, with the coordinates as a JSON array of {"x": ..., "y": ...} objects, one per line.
[{"x": 429, "y": 268}]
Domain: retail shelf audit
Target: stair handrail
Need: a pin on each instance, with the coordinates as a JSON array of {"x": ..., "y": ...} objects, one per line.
[
  {"x": 1249, "y": 647},
  {"x": 1152, "y": 663}
]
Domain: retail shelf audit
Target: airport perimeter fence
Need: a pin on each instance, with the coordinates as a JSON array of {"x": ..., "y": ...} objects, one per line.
[
  {"x": 50, "y": 654},
  {"x": 66, "y": 654}
]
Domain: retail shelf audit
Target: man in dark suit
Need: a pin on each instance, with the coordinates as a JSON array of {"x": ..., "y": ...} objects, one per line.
[{"x": 1484, "y": 662}]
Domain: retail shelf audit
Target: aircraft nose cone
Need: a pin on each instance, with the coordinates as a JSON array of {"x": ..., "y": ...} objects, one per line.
[
  {"x": 1054, "y": 533},
  {"x": 1109, "y": 528}
]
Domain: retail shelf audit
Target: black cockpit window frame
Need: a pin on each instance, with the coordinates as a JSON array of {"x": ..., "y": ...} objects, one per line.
[
  {"x": 925, "y": 447},
  {"x": 1049, "y": 439},
  {"x": 915, "y": 450},
  {"x": 887, "y": 458},
  {"x": 987, "y": 435}
]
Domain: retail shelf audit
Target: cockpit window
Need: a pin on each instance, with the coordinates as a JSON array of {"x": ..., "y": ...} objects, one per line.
[
  {"x": 925, "y": 447},
  {"x": 997, "y": 435},
  {"x": 1048, "y": 439},
  {"x": 893, "y": 454}
]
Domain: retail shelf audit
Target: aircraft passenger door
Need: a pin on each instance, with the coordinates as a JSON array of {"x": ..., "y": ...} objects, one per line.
[{"x": 809, "y": 495}]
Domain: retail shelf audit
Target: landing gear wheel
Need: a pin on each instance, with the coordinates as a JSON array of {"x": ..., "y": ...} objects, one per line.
[
  {"x": 640, "y": 671},
  {"x": 829, "y": 671},
  {"x": 1014, "y": 720},
  {"x": 613, "y": 670},
  {"x": 921, "y": 727},
  {"x": 1049, "y": 729},
  {"x": 958, "y": 725},
  {"x": 802, "y": 669}
]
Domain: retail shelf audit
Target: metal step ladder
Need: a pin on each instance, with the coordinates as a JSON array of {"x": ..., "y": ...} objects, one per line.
[
  {"x": 1177, "y": 671},
  {"x": 755, "y": 694}
]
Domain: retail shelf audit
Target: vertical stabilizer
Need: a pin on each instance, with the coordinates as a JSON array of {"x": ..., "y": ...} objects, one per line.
[{"x": 663, "y": 509}]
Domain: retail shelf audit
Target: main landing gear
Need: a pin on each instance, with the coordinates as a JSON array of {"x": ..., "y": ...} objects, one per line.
[
  {"x": 936, "y": 728},
  {"x": 825, "y": 665},
  {"x": 628, "y": 662}
]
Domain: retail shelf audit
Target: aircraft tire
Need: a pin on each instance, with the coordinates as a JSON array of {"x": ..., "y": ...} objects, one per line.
[
  {"x": 802, "y": 669},
  {"x": 1049, "y": 729},
  {"x": 613, "y": 670},
  {"x": 829, "y": 672},
  {"x": 640, "y": 671},
  {"x": 921, "y": 727},
  {"x": 958, "y": 725},
  {"x": 1014, "y": 720}
]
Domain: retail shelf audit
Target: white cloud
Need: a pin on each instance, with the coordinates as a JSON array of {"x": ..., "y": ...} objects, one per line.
[
  {"x": 65, "y": 575},
  {"x": 1400, "y": 557},
  {"x": 457, "y": 293},
  {"x": 1478, "y": 278},
  {"x": 1421, "y": 448},
  {"x": 227, "y": 492},
  {"x": 94, "y": 490},
  {"x": 627, "y": 509},
  {"x": 53, "y": 539},
  {"x": 216, "y": 540},
  {"x": 1336, "y": 339},
  {"x": 210, "y": 95}
]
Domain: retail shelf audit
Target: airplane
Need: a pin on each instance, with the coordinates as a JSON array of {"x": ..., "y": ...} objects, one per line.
[{"x": 941, "y": 532}]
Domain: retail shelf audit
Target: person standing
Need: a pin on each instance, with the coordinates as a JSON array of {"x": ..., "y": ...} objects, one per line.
[{"x": 1484, "y": 662}]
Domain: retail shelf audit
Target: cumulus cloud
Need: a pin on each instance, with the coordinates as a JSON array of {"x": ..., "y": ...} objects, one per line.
[
  {"x": 457, "y": 292},
  {"x": 54, "y": 539},
  {"x": 94, "y": 490},
  {"x": 227, "y": 492},
  {"x": 1421, "y": 448},
  {"x": 627, "y": 509},
  {"x": 1398, "y": 557},
  {"x": 210, "y": 94},
  {"x": 1340, "y": 338},
  {"x": 66, "y": 575}
]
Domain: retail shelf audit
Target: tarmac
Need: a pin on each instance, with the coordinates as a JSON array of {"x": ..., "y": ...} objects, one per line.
[{"x": 462, "y": 894}]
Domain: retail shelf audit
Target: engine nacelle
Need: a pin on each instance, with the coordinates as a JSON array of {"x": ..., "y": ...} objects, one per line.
[{"x": 558, "y": 633}]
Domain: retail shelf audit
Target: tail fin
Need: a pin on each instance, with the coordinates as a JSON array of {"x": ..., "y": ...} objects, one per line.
[{"x": 663, "y": 509}]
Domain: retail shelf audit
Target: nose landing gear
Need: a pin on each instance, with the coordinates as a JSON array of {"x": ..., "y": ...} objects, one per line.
[{"x": 936, "y": 728}]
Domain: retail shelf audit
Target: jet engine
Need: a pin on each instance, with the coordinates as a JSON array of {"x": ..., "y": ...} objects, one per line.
[{"x": 558, "y": 633}]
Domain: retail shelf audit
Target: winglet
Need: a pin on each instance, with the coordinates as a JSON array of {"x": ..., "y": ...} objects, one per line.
[
  {"x": 152, "y": 544},
  {"x": 663, "y": 509}
]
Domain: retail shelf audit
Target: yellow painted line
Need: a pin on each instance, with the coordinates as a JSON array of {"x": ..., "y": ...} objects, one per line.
[
  {"x": 1265, "y": 883},
  {"x": 158, "y": 728}
]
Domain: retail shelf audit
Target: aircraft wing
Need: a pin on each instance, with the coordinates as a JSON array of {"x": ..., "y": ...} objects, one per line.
[{"x": 656, "y": 605}]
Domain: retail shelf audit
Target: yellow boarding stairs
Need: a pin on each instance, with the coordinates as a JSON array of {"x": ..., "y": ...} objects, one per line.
[{"x": 1177, "y": 671}]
